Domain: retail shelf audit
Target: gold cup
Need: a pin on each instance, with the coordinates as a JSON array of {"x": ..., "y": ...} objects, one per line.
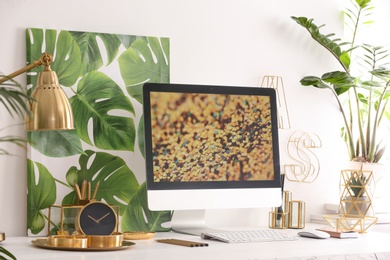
[
  {"x": 97, "y": 241},
  {"x": 68, "y": 241}
]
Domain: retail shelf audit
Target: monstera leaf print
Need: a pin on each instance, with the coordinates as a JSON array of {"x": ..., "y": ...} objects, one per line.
[
  {"x": 138, "y": 217},
  {"x": 97, "y": 96},
  {"x": 102, "y": 74},
  {"x": 65, "y": 51},
  {"x": 117, "y": 182},
  {"x": 144, "y": 62},
  {"x": 40, "y": 195},
  {"x": 67, "y": 143},
  {"x": 91, "y": 54}
]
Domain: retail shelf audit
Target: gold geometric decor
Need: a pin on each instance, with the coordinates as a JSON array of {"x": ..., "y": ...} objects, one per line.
[
  {"x": 299, "y": 148},
  {"x": 276, "y": 82},
  {"x": 356, "y": 192},
  {"x": 356, "y": 211}
]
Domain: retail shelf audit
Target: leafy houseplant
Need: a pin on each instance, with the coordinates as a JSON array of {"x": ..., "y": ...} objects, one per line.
[
  {"x": 362, "y": 83},
  {"x": 13, "y": 98},
  {"x": 357, "y": 184}
]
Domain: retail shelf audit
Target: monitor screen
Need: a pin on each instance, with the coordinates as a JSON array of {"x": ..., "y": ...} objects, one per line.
[{"x": 211, "y": 147}]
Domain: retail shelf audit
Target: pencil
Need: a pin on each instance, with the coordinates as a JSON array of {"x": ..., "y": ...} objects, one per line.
[
  {"x": 77, "y": 190},
  {"x": 96, "y": 189}
]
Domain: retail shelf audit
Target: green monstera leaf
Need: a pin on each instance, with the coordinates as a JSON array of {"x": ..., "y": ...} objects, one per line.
[
  {"x": 91, "y": 54},
  {"x": 97, "y": 99},
  {"x": 40, "y": 195},
  {"x": 127, "y": 40},
  {"x": 67, "y": 143},
  {"x": 144, "y": 62},
  {"x": 141, "y": 136},
  {"x": 117, "y": 183},
  {"x": 138, "y": 217},
  {"x": 65, "y": 51}
]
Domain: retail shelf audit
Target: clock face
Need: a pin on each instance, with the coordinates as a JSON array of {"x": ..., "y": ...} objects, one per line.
[{"x": 97, "y": 218}]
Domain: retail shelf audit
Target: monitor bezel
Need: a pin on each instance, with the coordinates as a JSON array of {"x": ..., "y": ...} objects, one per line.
[{"x": 213, "y": 89}]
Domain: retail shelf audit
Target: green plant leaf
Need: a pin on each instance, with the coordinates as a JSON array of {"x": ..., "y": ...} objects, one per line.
[
  {"x": 66, "y": 59},
  {"x": 141, "y": 135},
  {"x": 127, "y": 40},
  {"x": 313, "y": 81},
  {"x": 14, "y": 98},
  {"x": 340, "y": 80},
  {"x": 67, "y": 143},
  {"x": 118, "y": 183},
  {"x": 7, "y": 253},
  {"x": 138, "y": 217},
  {"x": 40, "y": 195},
  {"x": 89, "y": 47},
  {"x": 100, "y": 100},
  {"x": 144, "y": 62},
  {"x": 333, "y": 45}
]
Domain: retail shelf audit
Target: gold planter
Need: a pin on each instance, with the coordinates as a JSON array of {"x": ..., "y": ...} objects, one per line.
[
  {"x": 357, "y": 187},
  {"x": 357, "y": 190}
]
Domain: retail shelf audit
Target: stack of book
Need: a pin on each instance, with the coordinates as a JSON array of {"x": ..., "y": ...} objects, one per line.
[{"x": 333, "y": 232}]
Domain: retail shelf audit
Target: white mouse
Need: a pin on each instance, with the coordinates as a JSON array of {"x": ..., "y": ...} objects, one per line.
[{"x": 314, "y": 234}]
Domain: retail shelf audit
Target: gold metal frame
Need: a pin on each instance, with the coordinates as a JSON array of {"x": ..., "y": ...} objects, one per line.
[
  {"x": 299, "y": 148},
  {"x": 276, "y": 82}
]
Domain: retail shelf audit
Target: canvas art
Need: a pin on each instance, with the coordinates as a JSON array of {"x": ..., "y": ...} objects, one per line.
[{"x": 102, "y": 75}]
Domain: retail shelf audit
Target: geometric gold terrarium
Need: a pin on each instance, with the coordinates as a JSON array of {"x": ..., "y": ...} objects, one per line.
[
  {"x": 356, "y": 212},
  {"x": 357, "y": 189}
]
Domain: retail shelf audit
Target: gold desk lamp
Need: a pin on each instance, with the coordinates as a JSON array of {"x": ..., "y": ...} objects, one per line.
[{"x": 50, "y": 108}]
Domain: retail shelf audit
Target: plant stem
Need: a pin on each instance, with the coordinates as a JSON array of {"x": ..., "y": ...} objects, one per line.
[
  {"x": 350, "y": 143},
  {"x": 63, "y": 183},
  {"x": 371, "y": 155}
]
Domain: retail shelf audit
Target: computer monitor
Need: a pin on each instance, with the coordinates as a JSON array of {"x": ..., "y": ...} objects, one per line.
[{"x": 210, "y": 147}]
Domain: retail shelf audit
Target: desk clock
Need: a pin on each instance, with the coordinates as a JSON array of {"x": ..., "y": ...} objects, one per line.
[{"x": 97, "y": 218}]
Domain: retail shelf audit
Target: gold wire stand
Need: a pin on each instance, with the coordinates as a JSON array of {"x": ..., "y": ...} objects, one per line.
[{"x": 344, "y": 223}]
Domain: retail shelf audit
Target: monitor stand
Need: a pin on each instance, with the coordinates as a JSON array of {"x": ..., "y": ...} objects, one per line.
[{"x": 190, "y": 222}]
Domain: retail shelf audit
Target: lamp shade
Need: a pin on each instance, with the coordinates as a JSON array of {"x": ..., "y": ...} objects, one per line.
[{"x": 50, "y": 109}]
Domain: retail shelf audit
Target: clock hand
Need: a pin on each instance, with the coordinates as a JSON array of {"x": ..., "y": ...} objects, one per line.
[{"x": 97, "y": 221}]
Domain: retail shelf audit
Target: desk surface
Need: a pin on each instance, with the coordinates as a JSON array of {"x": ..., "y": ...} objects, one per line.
[{"x": 369, "y": 244}]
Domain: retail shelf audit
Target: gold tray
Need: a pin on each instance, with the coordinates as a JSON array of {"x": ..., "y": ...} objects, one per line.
[
  {"x": 42, "y": 243},
  {"x": 137, "y": 235}
]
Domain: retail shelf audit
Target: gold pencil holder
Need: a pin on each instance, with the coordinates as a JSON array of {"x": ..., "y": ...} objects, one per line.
[
  {"x": 296, "y": 218},
  {"x": 278, "y": 220},
  {"x": 84, "y": 202},
  {"x": 278, "y": 217}
]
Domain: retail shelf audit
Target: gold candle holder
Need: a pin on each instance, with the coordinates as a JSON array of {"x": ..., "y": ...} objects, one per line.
[
  {"x": 278, "y": 217},
  {"x": 109, "y": 241},
  {"x": 278, "y": 220},
  {"x": 296, "y": 218},
  {"x": 67, "y": 241}
]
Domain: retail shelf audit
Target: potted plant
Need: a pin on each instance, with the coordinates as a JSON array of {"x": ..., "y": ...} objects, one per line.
[
  {"x": 360, "y": 86},
  {"x": 13, "y": 98},
  {"x": 355, "y": 203}
]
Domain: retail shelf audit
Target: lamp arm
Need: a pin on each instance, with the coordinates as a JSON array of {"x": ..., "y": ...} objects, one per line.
[{"x": 45, "y": 59}]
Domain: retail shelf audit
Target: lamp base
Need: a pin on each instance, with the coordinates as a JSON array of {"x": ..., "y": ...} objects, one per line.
[{"x": 2, "y": 236}]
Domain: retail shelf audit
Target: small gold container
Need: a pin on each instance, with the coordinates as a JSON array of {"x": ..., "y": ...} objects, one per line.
[
  {"x": 97, "y": 241},
  {"x": 67, "y": 241},
  {"x": 296, "y": 218},
  {"x": 278, "y": 220}
]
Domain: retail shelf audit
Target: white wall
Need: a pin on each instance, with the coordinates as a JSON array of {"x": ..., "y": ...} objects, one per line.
[{"x": 233, "y": 42}]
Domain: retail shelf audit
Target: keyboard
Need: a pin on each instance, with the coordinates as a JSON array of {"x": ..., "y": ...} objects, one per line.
[{"x": 249, "y": 236}]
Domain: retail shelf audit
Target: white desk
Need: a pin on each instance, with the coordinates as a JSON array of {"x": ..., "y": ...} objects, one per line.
[{"x": 304, "y": 248}]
